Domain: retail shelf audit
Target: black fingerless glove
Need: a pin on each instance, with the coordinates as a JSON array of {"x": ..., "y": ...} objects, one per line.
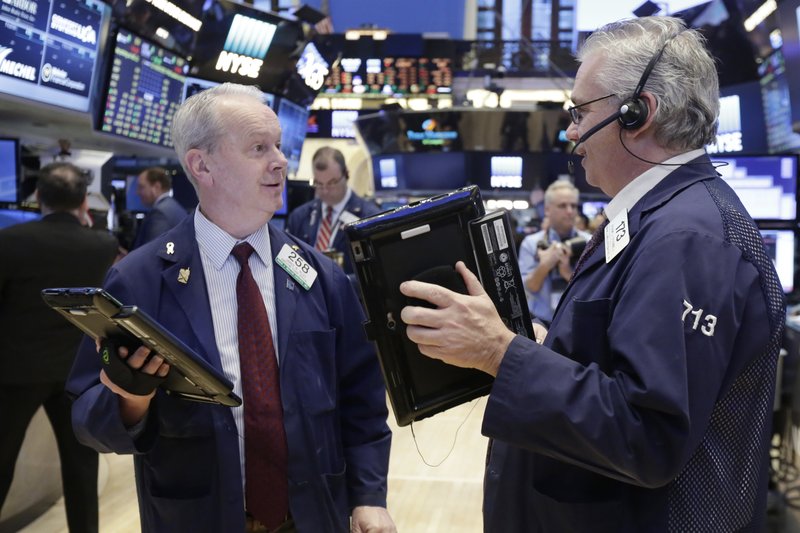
[{"x": 126, "y": 377}]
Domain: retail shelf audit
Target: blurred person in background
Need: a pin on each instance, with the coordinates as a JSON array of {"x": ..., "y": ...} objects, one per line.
[{"x": 37, "y": 346}]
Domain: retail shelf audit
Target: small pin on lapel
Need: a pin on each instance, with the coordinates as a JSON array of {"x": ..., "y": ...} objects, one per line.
[
  {"x": 290, "y": 284},
  {"x": 170, "y": 248},
  {"x": 183, "y": 275}
]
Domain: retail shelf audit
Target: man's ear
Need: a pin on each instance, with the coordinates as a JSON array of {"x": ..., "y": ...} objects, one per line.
[
  {"x": 650, "y": 101},
  {"x": 197, "y": 164}
]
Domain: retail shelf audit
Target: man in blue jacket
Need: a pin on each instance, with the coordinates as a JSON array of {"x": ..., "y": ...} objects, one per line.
[
  {"x": 193, "y": 460},
  {"x": 153, "y": 186},
  {"x": 648, "y": 406},
  {"x": 319, "y": 222}
]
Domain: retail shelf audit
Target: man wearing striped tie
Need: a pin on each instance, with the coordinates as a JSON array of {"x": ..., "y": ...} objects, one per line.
[{"x": 319, "y": 221}]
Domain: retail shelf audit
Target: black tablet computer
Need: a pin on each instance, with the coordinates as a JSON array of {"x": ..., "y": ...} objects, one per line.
[
  {"x": 100, "y": 315},
  {"x": 424, "y": 240}
]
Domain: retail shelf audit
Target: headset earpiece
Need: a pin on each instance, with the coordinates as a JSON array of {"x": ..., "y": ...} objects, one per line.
[{"x": 633, "y": 114}]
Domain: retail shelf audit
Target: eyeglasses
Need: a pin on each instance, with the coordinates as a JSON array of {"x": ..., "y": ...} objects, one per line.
[
  {"x": 574, "y": 112},
  {"x": 328, "y": 185}
]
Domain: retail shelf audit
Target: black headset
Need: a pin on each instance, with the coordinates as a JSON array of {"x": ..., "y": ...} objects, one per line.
[{"x": 633, "y": 112}]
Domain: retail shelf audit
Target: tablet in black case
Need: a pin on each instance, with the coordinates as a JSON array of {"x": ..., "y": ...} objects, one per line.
[
  {"x": 100, "y": 315},
  {"x": 421, "y": 241}
]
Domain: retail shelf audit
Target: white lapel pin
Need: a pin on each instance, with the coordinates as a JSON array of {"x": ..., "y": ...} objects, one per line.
[{"x": 170, "y": 248}]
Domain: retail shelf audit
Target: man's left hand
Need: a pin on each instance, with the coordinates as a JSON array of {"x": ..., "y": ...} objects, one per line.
[{"x": 367, "y": 519}]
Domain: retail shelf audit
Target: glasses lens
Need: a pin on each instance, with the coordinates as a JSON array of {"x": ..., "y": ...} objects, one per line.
[{"x": 574, "y": 115}]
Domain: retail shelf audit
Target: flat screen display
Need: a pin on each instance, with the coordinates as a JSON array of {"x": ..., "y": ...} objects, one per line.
[
  {"x": 172, "y": 24},
  {"x": 776, "y": 98},
  {"x": 332, "y": 124},
  {"x": 144, "y": 89},
  {"x": 293, "y": 119},
  {"x": 780, "y": 245},
  {"x": 420, "y": 174},
  {"x": 49, "y": 50},
  {"x": 766, "y": 185},
  {"x": 789, "y": 21},
  {"x": 196, "y": 85},
  {"x": 390, "y": 76},
  {"x": 243, "y": 44},
  {"x": 9, "y": 170}
]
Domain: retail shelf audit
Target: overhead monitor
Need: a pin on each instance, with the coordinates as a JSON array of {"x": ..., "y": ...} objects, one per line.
[
  {"x": 766, "y": 184},
  {"x": 391, "y": 76},
  {"x": 49, "y": 50},
  {"x": 788, "y": 16},
  {"x": 195, "y": 85},
  {"x": 172, "y": 24},
  {"x": 776, "y": 98},
  {"x": 143, "y": 90},
  {"x": 242, "y": 44},
  {"x": 293, "y": 119}
]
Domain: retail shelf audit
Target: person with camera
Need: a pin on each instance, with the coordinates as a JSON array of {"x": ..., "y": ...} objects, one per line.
[{"x": 547, "y": 257}]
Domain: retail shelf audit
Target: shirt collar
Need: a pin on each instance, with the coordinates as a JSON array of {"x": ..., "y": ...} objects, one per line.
[
  {"x": 217, "y": 244},
  {"x": 338, "y": 208},
  {"x": 642, "y": 184},
  {"x": 161, "y": 197}
]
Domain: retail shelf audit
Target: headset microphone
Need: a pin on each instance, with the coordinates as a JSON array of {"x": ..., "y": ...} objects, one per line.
[{"x": 594, "y": 129}]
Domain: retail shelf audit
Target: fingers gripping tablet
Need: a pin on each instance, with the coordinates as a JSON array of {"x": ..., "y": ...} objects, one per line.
[
  {"x": 445, "y": 276},
  {"x": 121, "y": 373}
]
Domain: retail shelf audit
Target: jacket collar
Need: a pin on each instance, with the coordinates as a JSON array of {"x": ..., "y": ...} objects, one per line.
[{"x": 684, "y": 176}]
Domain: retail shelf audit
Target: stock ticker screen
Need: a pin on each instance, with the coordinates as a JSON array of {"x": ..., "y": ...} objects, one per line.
[
  {"x": 390, "y": 76},
  {"x": 49, "y": 49},
  {"x": 144, "y": 89}
]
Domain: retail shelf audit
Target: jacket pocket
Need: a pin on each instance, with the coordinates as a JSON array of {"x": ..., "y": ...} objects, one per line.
[
  {"x": 180, "y": 468},
  {"x": 590, "y": 321}
]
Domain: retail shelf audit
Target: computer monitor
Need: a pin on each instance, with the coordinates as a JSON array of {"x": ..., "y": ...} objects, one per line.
[
  {"x": 781, "y": 245},
  {"x": 143, "y": 90},
  {"x": 10, "y": 171},
  {"x": 10, "y": 217},
  {"x": 50, "y": 50},
  {"x": 195, "y": 85},
  {"x": 294, "y": 120},
  {"x": 243, "y": 44},
  {"x": 766, "y": 184}
]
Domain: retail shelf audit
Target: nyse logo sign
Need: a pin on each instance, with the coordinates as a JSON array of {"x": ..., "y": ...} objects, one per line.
[
  {"x": 729, "y": 132},
  {"x": 246, "y": 46}
]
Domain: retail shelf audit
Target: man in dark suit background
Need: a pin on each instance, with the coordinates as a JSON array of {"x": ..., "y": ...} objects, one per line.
[
  {"x": 334, "y": 196},
  {"x": 153, "y": 187},
  {"x": 37, "y": 346}
]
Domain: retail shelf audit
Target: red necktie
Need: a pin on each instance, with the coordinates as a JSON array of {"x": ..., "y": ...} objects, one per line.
[
  {"x": 597, "y": 239},
  {"x": 324, "y": 234},
  {"x": 265, "y": 451}
]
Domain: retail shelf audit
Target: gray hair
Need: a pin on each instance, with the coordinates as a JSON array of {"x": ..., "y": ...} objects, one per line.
[
  {"x": 684, "y": 80},
  {"x": 198, "y": 124},
  {"x": 559, "y": 185}
]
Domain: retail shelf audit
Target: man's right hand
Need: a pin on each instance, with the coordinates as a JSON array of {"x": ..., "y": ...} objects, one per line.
[{"x": 133, "y": 406}]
